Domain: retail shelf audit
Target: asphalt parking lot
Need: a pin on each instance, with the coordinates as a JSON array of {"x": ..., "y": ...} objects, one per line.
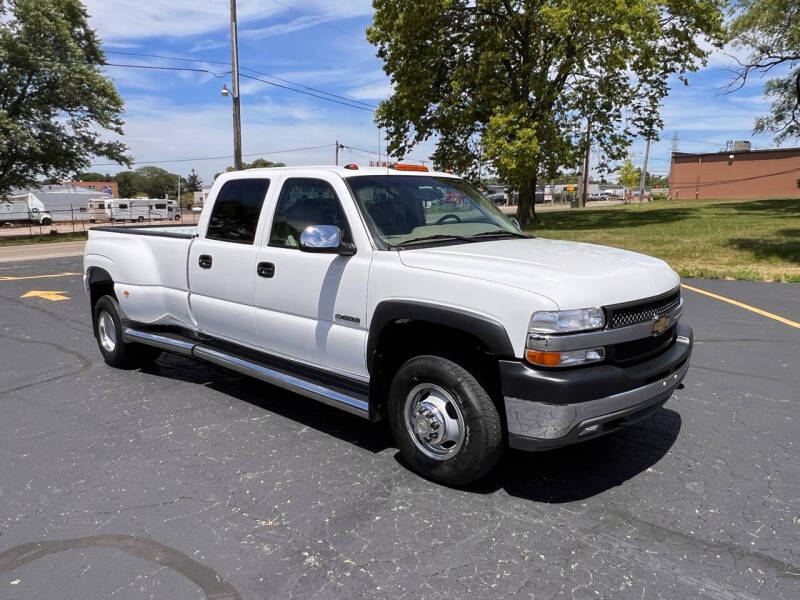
[{"x": 186, "y": 481}]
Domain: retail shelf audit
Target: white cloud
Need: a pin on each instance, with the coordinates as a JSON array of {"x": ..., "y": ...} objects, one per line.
[
  {"x": 372, "y": 91},
  {"x": 118, "y": 20}
]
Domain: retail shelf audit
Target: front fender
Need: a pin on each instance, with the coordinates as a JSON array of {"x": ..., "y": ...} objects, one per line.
[{"x": 490, "y": 332}]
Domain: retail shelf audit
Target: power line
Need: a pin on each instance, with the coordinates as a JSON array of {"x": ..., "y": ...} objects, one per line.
[
  {"x": 160, "y": 68},
  {"x": 227, "y": 156},
  {"x": 285, "y": 87},
  {"x": 371, "y": 153},
  {"x": 256, "y": 71}
]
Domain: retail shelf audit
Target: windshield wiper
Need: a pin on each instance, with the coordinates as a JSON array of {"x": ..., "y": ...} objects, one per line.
[
  {"x": 429, "y": 238},
  {"x": 501, "y": 232}
]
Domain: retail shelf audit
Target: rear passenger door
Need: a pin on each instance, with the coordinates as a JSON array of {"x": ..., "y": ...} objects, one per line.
[
  {"x": 311, "y": 307},
  {"x": 222, "y": 262}
]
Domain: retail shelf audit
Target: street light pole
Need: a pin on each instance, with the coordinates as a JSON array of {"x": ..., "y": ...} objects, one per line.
[{"x": 237, "y": 114}]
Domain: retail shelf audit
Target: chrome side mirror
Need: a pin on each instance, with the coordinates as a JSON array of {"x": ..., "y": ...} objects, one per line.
[{"x": 325, "y": 239}]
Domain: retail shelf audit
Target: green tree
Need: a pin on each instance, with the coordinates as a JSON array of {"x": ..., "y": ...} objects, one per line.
[
  {"x": 515, "y": 82},
  {"x": 126, "y": 183},
  {"x": 629, "y": 176},
  {"x": 54, "y": 101},
  {"x": 193, "y": 182},
  {"x": 259, "y": 163},
  {"x": 91, "y": 176},
  {"x": 770, "y": 29},
  {"x": 152, "y": 181}
]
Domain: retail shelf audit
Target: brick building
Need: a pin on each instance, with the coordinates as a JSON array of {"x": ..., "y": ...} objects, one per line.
[
  {"x": 737, "y": 174},
  {"x": 107, "y": 187}
]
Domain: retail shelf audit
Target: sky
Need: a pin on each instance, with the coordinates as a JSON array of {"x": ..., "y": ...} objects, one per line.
[{"x": 179, "y": 120}]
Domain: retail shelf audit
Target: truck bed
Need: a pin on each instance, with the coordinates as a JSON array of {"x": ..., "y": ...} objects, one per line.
[{"x": 148, "y": 267}]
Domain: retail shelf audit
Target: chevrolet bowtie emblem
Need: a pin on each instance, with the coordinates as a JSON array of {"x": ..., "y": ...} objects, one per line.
[{"x": 660, "y": 326}]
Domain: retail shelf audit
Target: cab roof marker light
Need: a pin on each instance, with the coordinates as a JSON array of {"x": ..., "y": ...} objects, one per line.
[
  {"x": 352, "y": 167},
  {"x": 403, "y": 167}
]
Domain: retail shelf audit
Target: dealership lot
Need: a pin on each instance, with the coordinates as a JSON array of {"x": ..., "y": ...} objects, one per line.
[{"x": 185, "y": 481}]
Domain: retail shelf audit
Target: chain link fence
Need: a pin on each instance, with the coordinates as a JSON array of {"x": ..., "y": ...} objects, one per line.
[{"x": 22, "y": 223}]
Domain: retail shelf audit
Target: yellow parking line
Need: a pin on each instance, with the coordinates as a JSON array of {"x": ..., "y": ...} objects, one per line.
[
  {"x": 763, "y": 313},
  {"x": 15, "y": 278}
]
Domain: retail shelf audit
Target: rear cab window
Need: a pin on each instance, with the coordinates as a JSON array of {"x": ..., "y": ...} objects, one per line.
[{"x": 236, "y": 211}]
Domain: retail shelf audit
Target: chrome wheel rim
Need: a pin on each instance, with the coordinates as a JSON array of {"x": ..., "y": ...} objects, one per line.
[
  {"x": 107, "y": 332},
  {"x": 434, "y": 421}
]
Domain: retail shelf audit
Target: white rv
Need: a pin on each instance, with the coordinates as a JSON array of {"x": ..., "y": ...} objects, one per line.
[
  {"x": 97, "y": 209},
  {"x": 141, "y": 209},
  {"x": 26, "y": 208}
]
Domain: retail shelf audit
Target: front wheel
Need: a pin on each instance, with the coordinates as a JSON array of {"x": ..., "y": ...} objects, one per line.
[
  {"x": 443, "y": 420},
  {"x": 108, "y": 331}
]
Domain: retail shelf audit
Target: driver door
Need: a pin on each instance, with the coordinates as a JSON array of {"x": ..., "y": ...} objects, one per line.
[{"x": 311, "y": 307}]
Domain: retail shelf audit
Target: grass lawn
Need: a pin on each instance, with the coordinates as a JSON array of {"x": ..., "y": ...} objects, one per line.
[
  {"x": 42, "y": 239},
  {"x": 734, "y": 239}
]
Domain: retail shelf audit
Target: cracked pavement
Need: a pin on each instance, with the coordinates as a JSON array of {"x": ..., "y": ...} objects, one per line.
[{"x": 186, "y": 481}]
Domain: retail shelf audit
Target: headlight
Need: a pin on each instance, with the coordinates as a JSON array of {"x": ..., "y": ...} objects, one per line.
[{"x": 567, "y": 321}]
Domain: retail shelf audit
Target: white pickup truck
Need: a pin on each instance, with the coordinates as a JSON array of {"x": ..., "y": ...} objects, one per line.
[{"x": 402, "y": 294}]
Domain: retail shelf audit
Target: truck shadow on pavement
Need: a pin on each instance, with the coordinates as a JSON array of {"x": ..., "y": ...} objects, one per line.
[
  {"x": 586, "y": 469},
  {"x": 565, "y": 475}
]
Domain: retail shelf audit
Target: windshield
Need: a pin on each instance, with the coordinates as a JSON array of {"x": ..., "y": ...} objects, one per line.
[{"x": 403, "y": 210}]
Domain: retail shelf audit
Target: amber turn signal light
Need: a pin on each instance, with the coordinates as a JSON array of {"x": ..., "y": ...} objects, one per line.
[{"x": 546, "y": 359}]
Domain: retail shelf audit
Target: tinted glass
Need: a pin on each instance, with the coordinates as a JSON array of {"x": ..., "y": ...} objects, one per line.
[
  {"x": 236, "y": 211},
  {"x": 123, "y": 206},
  {"x": 403, "y": 208},
  {"x": 305, "y": 202},
  {"x": 161, "y": 206}
]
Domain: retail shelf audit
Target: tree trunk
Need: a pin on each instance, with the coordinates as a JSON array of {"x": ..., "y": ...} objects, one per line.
[{"x": 526, "y": 210}]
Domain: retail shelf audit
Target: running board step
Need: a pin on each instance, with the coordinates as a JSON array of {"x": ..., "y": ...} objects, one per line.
[{"x": 354, "y": 404}]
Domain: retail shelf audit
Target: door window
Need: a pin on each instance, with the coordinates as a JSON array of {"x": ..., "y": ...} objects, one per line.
[
  {"x": 305, "y": 202},
  {"x": 236, "y": 211}
]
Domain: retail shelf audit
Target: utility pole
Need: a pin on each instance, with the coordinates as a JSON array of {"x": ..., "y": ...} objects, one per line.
[
  {"x": 585, "y": 177},
  {"x": 339, "y": 147},
  {"x": 237, "y": 113},
  {"x": 643, "y": 178}
]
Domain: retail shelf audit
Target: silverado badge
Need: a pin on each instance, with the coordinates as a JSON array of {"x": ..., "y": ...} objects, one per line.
[{"x": 660, "y": 326}]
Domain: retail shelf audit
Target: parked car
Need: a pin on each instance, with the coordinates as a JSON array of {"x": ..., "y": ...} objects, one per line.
[
  {"x": 497, "y": 198},
  {"x": 339, "y": 284}
]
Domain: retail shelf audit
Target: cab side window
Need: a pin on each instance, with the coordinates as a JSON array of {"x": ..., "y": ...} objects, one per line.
[
  {"x": 305, "y": 202},
  {"x": 236, "y": 211}
]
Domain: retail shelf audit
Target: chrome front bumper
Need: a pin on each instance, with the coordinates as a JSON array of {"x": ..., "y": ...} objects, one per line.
[{"x": 534, "y": 423}]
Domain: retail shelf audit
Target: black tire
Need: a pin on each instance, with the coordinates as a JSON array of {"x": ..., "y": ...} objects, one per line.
[
  {"x": 47, "y": 221},
  {"x": 482, "y": 443},
  {"x": 122, "y": 355}
]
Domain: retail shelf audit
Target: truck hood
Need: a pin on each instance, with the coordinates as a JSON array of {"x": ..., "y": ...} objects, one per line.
[{"x": 571, "y": 274}]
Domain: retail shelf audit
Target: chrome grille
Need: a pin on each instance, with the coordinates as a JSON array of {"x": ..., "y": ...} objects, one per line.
[{"x": 639, "y": 313}]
